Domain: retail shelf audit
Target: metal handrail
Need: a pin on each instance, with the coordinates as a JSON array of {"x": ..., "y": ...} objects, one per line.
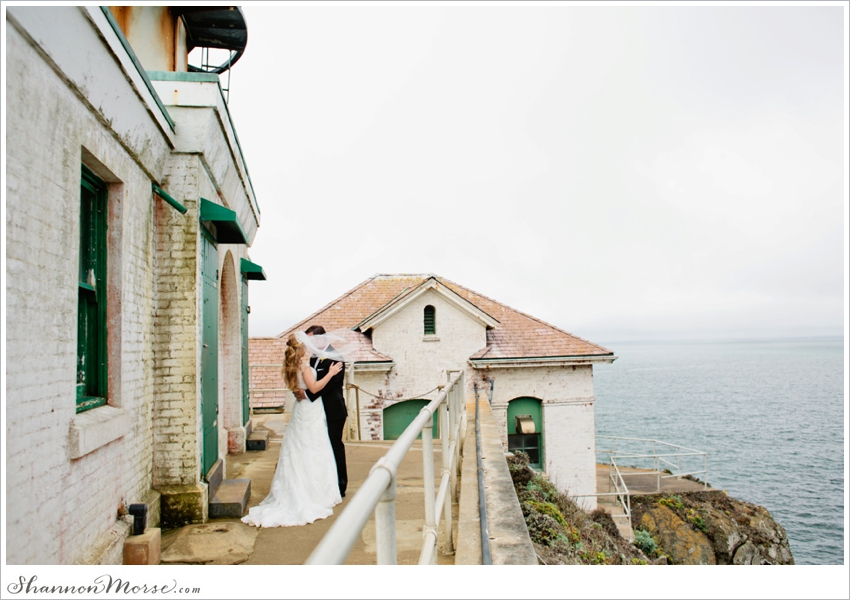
[
  {"x": 622, "y": 492},
  {"x": 658, "y": 458},
  {"x": 377, "y": 494}
]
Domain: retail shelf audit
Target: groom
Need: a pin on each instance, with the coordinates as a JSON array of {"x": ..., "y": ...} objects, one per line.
[{"x": 335, "y": 410}]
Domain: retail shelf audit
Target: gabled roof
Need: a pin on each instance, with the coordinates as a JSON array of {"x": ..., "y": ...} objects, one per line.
[
  {"x": 410, "y": 294},
  {"x": 514, "y": 335}
]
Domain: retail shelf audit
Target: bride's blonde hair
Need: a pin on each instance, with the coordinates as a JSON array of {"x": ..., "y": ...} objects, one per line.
[{"x": 292, "y": 362}]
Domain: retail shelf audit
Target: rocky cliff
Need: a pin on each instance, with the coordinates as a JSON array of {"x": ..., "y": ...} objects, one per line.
[
  {"x": 694, "y": 528},
  {"x": 708, "y": 528}
]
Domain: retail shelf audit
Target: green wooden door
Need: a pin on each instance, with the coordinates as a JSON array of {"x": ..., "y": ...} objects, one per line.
[
  {"x": 530, "y": 443},
  {"x": 246, "y": 410},
  {"x": 209, "y": 352},
  {"x": 398, "y": 416}
]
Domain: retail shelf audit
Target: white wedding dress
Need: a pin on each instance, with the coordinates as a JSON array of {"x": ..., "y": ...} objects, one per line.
[{"x": 305, "y": 486}]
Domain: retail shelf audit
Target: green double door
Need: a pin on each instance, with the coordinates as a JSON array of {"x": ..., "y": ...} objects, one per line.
[
  {"x": 398, "y": 416},
  {"x": 530, "y": 443},
  {"x": 209, "y": 352}
]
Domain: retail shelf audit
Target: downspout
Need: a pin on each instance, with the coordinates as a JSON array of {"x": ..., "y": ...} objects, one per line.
[{"x": 482, "y": 501}]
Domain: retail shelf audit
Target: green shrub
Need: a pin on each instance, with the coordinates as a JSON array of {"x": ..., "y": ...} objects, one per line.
[
  {"x": 674, "y": 502},
  {"x": 604, "y": 520},
  {"x": 645, "y": 542},
  {"x": 543, "y": 529},
  {"x": 696, "y": 520}
]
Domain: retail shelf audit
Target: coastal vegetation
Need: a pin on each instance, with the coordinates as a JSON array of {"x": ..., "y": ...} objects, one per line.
[
  {"x": 706, "y": 527},
  {"x": 563, "y": 533}
]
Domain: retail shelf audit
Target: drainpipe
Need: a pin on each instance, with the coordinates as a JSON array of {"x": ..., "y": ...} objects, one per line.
[{"x": 482, "y": 500}]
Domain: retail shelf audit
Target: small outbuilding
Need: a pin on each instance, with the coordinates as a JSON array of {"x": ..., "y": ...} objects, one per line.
[{"x": 417, "y": 329}]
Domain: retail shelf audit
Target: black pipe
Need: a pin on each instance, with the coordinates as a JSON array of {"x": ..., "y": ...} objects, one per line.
[
  {"x": 482, "y": 501},
  {"x": 140, "y": 517}
]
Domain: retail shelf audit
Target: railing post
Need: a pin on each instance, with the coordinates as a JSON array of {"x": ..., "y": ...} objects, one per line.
[
  {"x": 428, "y": 475},
  {"x": 657, "y": 471},
  {"x": 357, "y": 399},
  {"x": 447, "y": 507},
  {"x": 453, "y": 445},
  {"x": 385, "y": 537}
]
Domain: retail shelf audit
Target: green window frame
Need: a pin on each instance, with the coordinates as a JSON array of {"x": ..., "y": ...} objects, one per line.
[
  {"x": 430, "y": 320},
  {"x": 91, "y": 306}
]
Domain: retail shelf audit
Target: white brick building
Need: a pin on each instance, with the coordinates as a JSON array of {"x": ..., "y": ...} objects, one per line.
[
  {"x": 416, "y": 328},
  {"x": 126, "y": 328}
]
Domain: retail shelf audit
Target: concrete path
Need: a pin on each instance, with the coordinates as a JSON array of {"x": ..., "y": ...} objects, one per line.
[{"x": 229, "y": 541}]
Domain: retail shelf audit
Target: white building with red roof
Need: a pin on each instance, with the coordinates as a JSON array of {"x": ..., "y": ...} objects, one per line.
[{"x": 415, "y": 329}]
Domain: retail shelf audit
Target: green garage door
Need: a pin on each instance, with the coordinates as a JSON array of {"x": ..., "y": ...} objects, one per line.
[
  {"x": 530, "y": 443},
  {"x": 209, "y": 352},
  {"x": 398, "y": 416}
]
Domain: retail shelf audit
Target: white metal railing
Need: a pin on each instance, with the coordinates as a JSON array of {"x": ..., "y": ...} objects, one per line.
[
  {"x": 621, "y": 492},
  {"x": 377, "y": 494},
  {"x": 663, "y": 458},
  {"x": 652, "y": 461}
]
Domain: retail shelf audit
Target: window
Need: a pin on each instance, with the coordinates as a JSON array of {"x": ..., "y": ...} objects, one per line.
[
  {"x": 430, "y": 321},
  {"x": 91, "y": 307}
]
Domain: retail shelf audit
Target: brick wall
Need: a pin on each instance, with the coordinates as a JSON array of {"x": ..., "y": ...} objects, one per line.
[
  {"x": 265, "y": 379},
  {"x": 176, "y": 422},
  {"x": 52, "y": 515},
  {"x": 566, "y": 395}
]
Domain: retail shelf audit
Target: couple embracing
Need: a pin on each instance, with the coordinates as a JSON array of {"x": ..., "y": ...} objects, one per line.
[{"x": 311, "y": 474}]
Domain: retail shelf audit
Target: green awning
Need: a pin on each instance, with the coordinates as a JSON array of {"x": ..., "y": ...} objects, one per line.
[
  {"x": 252, "y": 270},
  {"x": 228, "y": 229}
]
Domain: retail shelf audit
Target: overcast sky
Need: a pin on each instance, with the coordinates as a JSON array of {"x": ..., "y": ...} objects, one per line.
[{"x": 620, "y": 172}]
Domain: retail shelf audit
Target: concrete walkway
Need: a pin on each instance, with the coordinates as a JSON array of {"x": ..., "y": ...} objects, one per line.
[{"x": 229, "y": 541}]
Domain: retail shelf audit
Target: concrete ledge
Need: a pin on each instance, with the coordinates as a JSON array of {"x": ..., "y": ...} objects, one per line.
[
  {"x": 468, "y": 551},
  {"x": 183, "y": 505},
  {"x": 97, "y": 427},
  {"x": 152, "y": 500},
  {"x": 510, "y": 543},
  {"x": 145, "y": 549},
  {"x": 108, "y": 547}
]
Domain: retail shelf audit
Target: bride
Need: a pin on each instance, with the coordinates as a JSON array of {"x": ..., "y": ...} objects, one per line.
[{"x": 305, "y": 486}]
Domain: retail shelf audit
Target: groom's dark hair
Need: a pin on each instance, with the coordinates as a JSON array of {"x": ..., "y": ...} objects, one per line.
[{"x": 315, "y": 330}]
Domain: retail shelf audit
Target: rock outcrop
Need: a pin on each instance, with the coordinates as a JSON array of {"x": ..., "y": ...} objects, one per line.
[
  {"x": 682, "y": 545},
  {"x": 711, "y": 528}
]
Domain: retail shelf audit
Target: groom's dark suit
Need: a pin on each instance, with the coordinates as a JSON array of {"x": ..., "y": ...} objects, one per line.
[{"x": 335, "y": 412}]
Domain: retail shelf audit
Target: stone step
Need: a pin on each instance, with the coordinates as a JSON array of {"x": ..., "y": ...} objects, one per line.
[
  {"x": 215, "y": 476},
  {"x": 230, "y": 499},
  {"x": 612, "y": 507},
  {"x": 258, "y": 440}
]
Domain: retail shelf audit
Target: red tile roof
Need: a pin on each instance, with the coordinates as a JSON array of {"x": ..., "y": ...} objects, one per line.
[{"x": 518, "y": 335}]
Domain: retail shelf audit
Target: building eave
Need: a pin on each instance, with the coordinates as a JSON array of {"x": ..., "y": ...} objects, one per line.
[
  {"x": 541, "y": 361},
  {"x": 373, "y": 366}
]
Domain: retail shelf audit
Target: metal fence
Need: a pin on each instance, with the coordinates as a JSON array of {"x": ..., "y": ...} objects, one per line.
[
  {"x": 378, "y": 492},
  {"x": 651, "y": 457},
  {"x": 664, "y": 459}
]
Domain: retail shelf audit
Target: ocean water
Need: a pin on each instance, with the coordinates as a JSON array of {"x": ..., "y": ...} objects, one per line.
[{"x": 769, "y": 414}]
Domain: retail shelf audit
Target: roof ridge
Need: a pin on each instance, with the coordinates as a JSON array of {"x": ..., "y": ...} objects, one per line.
[
  {"x": 327, "y": 306},
  {"x": 448, "y": 281}
]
